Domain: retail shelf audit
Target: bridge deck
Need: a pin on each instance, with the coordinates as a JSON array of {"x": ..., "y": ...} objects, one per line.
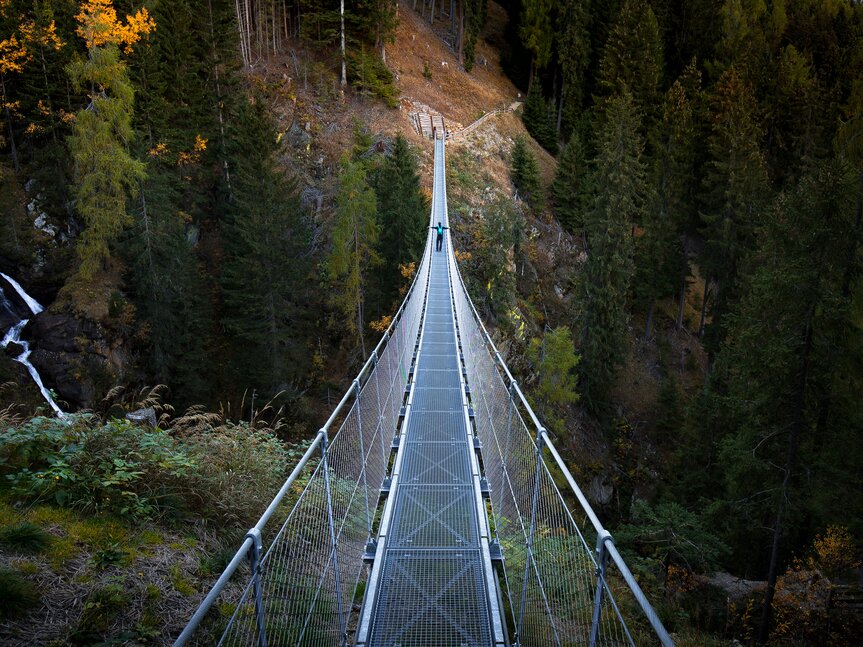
[{"x": 432, "y": 583}]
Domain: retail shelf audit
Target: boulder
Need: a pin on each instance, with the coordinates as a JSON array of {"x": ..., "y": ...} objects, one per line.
[
  {"x": 14, "y": 349},
  {"x": 601, "y": 489},
  {"x": 145, "y": 417}
]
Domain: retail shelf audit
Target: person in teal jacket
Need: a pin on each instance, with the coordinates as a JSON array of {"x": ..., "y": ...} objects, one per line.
[{"x": 440, "y": 229}]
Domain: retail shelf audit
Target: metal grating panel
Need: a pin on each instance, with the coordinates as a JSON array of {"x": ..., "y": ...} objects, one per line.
[
  {"x": 437, "y": 426},
  {"x": 432, "y": 599},
  {"x": 438, "y": 362},
  {"x": 438, "y": 379},
  {"x": 432, "y": 516},
  {"x": 426, "y": 399},
  {"x": 436, "y": 463},
  {"x": 436, "y": 348}
]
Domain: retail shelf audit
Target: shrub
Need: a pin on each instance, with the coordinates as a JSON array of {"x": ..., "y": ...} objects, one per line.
[
  {"x": 17, "y": 595},
  {"x": 370, "y": 76},
  {"x": 24, "y": 537},
  {"x": 240, "y": 470},
  {"x": 114, "y": 467},
  {"x": 228, "y": 473}
]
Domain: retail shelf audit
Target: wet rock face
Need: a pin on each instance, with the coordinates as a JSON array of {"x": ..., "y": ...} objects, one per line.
[
  {"x": 72, "y": 355},
  {"x": 13, "y": 349}
]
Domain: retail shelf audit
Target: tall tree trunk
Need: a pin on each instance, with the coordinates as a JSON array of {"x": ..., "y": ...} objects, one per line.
[
  {"x": 704, "y": 308},
  {"x": 560, "y": 105},
  {"x": 219, "y": 107},
  {"x": 461, "y": 32},
  {"x": 791, "y": 458},
  {"x": 684, "y": 273},
  {"x": 12, "y": 148},
  {"x": 344, "y": 80},
  {"x": 431, "y": 15},
  {"x": 648, "y": 326}
]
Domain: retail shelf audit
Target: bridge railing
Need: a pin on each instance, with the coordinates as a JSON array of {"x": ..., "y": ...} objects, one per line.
[
  {"x": 565, "y": 581},
  {"x": 299, "y": 570}
]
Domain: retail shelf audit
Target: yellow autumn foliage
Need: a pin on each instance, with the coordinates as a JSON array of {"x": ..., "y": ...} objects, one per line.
[{"x": 99, "y": 25}]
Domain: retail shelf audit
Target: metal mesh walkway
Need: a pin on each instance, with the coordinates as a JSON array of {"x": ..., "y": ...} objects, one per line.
[
  {"x": 432, "y": 516},
  {"x": 431, "y": 583}
]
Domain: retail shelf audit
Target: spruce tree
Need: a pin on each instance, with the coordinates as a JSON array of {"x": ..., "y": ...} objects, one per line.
[
  {"x": 736, "y": 187},
  {"x": 570, "y": 185},
  {"x": 524, "y": 173},
  {"x": 402, "y": 213},
  {"x": 263, "y": 278},
  {"x": 604, "y": 282},
  {"x": 537, "y": 119},
  {"x": 573, "y": 52},
  {"x": 661, "y": 265},
  {"x": 633, "y": 59},
  {"x": 355, "y": 238},
  {"x": 537, "y": 33}
]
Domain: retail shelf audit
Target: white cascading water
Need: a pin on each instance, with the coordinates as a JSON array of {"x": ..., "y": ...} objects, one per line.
[{"x": 13, "y": 335}]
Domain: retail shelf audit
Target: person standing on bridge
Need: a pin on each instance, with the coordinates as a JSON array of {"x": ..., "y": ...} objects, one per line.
[{"x": 440, "y": 229}]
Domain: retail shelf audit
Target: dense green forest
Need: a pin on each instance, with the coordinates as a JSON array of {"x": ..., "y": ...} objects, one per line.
[
  {"x": 708, "y": 171},
  {"x": 718, "y": 140}
]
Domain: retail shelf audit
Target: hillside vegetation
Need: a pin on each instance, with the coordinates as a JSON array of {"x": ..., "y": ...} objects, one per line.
[{"x": 662, "y": 230}]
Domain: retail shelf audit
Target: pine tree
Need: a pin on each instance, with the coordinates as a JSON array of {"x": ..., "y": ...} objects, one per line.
[
  {"x": 264, "y": 296},
  {"x": 537, "y": 33},
  {"x": 355, "y": 237},
  {"x": 573, "y": 52},
  {"x": 167, "y": 289},
  {"x": 632, "y": 59},
  {"x": 604, "y": 283},
  {"x": 402, "y": 213},
  {"x": 524, "y": 173},
  {"x": 105, "y": 172},
  {"x": 538, "y": 121},
  {"x": 570, "y": 185},
  {"x": 736, "y": 188},
  {"x": 661, "y": 264}
]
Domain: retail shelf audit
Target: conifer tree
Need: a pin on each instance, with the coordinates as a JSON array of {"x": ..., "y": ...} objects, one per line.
[
  {"x": 604, "y": 282},
  {"x": 525, "y": 174},
  {"x": 264, "y": 296},
  {"x": 537, "y": 33},
  {"x": 661, "y": 265},
  {"x": 736, "y": 188},
  {"x": 403, "y": 218},
  {"x": 573, "y": 52},
  {"x": 355, "y": 238},
  {"x": 633, "y": 59},
  {"x": 105, "y": 171},
  {"x": 570, "y": 187},
  {"x": 537, "y": 119}
]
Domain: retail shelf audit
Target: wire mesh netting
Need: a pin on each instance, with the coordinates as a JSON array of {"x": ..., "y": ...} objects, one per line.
[
  {"x": 550, "y": 578},
  {"x": 311, "y": 569}
]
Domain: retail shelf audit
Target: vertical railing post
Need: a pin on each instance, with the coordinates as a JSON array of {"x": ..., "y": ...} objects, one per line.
[
  {"x": 255, "y": 565},
  {"x": 529, "y": 553},
  {"x": 357, "y": 391},
  {"x": 601, "y": 561},
  {"x": 325, "y": 450},
  {"x": 380, "y": 410}
]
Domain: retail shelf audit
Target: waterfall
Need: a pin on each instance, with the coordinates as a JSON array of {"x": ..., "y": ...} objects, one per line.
[
  {"x": 34, "y": 306},
  {"x": 13, "y": 335}
]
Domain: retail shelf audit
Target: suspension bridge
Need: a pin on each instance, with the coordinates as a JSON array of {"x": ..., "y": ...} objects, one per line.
[{"x": 432, "y": 509}]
